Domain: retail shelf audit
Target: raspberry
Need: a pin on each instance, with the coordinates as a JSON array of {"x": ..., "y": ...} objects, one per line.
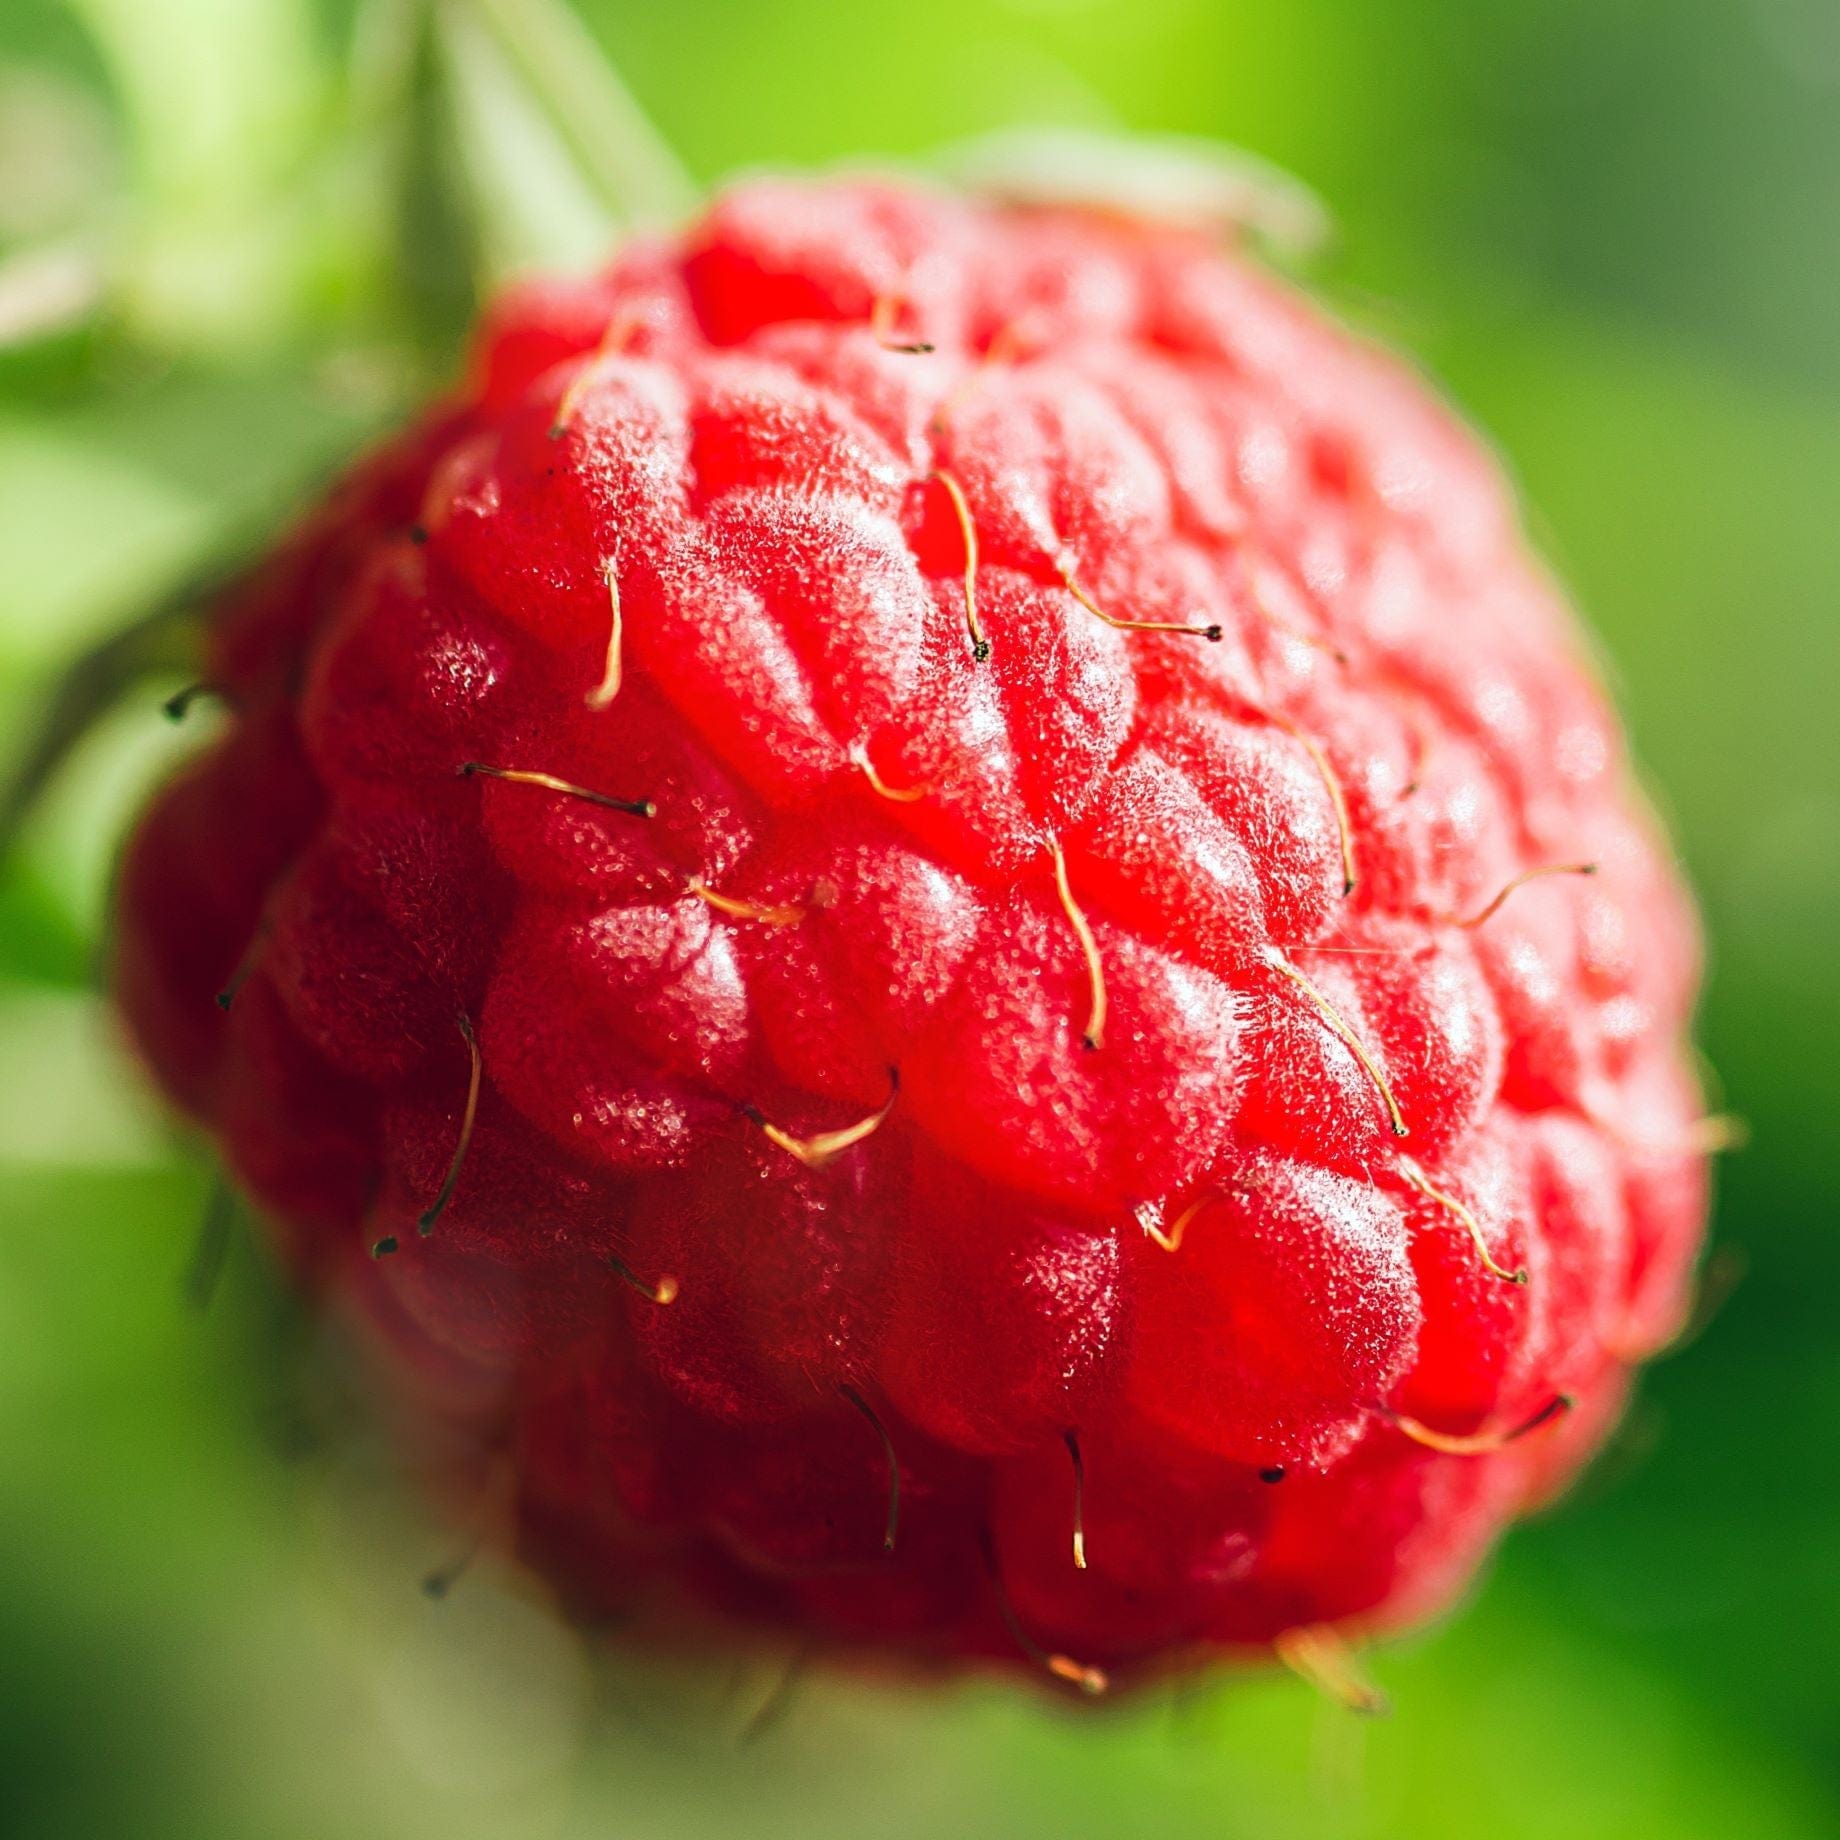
[{"x": 906, "y": 914}]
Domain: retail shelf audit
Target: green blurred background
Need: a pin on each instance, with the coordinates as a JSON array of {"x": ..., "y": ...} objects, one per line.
[{"x": 237, "y": 235}]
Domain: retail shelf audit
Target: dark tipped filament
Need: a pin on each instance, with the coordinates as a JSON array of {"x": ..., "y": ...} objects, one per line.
[
  {"x": 1417, "y": 1179},
  {"x": 438, "y": 1583},
  {"x": 1072, "y": 1441},
  {"x": 244, "y": 966},
  {"x": 425, "y": 1225},
  {"x": 883, "y": 316},
  {"x": 664, "y": 1291},
  {"x": 980, "y": 646},
  {"x": 1491, "y": 908},
  {"x": 891, "y": 1525},
  {"x": 179, "y": 704},
  {"x": 518, "y": 776},
  {"x": 826, "y": 1146},
  {"x": 1089, "y": 1679},
  {"x": 1480, "y": 1443},
  {"x": 1092, "y": 1035},
  {"x": 1211, "y": 631}
]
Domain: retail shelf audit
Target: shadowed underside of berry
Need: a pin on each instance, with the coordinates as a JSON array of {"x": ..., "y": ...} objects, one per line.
[{"x": 906, "y": 913}]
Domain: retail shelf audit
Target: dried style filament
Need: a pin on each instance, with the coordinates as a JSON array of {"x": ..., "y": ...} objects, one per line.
[
  {"x": 663, "y": 1291},
  {"x": 1491, "y": 908},
  {"x": 1089, "y": 1679},
  {"x": 1416, "y": 1178},
  {"x": 980, "y": 646},
  {"x": 745, "y": 910},
  {"x": 1093, "y": 1035},
  {"x": 882, "y": 317},
  {"x": 520, "y": 776},
  {"x": 826, "y": 1146},
  {"x": 426, "y": 1224},
  {"x": 1150, "y": 1218},
  {"x": 1212, "y": 631},
  {"x": 899, "y": 795},
  {"x": 1316, "y": 1653},
  {"x": 1337, "y": 1027},
  {"x": 892, "y": 1527},
  {"x": 1478, "y": 1443},
  {"x": 608, "y": 688},
  {"x": 1072, "y": 1441}
]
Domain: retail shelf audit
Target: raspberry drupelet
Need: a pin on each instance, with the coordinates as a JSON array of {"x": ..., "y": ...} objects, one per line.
[{"x": 935, "y": 928}]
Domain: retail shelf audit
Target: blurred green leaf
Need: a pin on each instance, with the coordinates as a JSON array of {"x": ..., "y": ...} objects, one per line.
[
  {"x": 638, "y": 177},
  {"x": 1184, "y": 179},
  {"x": 223, "y": 100},
  {"x": 438, "y": 240},
  {"x": 1615, "y": 229},
  {"x": 47, "y": 291},
  {"x": 534, "y": 207}
]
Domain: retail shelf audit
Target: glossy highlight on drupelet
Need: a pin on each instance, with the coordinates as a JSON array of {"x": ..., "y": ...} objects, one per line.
[{"x": 932, "y": 924}]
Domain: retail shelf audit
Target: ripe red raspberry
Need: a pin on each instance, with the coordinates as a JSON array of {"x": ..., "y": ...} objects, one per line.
[{"x": 906, "y": 913}]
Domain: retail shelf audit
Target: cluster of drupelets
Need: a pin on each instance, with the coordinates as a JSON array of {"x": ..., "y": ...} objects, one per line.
[{"x": 1313, "y": 1650}]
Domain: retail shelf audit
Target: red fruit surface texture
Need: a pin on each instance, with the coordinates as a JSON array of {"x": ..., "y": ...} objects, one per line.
[{"x": 942, "y": 1019}]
